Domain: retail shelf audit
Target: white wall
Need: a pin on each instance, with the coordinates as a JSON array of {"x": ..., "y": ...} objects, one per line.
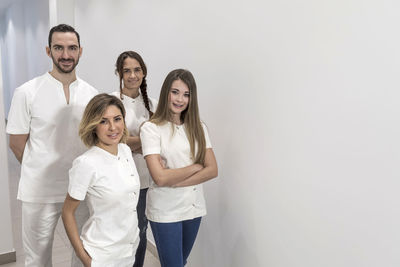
[
  {"x": 24, "y": 28},
  {"x": 23, "y": 37},
  {"x": 301, "y": 98},
  {"x": 6, "y": 240}
]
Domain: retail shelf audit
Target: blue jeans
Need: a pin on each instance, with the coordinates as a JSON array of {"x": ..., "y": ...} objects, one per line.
[
  {"x": 142, "y": 224},
  {"x": 175, "y": 241}
]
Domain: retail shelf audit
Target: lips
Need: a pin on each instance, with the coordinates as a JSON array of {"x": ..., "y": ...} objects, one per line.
[
  {"x": 133, "y": 82},
  {"x": 66, "y": 61},
  {"x": 177, "y": 106},
  {"x": 113, "y": 136}
]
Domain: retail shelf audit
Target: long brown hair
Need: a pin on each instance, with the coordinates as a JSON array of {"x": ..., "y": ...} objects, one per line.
[
  {"x": 190, "y": 116},
  {"x": 119, "y": 65}
]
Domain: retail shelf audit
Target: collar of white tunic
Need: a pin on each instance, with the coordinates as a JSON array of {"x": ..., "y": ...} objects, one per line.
[
  {"x": 108, "y": 154},
  {"x": 129, "y": 99},
  {"x": 73, "y": 84}
]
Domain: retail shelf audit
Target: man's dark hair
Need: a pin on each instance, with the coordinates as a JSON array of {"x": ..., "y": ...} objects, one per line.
[{"x": 63, "y": 28}]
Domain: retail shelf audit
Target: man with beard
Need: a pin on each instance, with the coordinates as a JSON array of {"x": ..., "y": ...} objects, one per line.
[{"x": 43, "y": 125}]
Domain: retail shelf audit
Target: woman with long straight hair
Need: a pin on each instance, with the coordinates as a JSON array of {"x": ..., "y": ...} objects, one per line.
[
  {"x": 180, "y": 158},
  {"x": 132, "y": 72}
]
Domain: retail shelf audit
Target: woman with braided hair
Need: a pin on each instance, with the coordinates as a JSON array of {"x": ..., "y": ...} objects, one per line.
[{"x": 139, "y": 107}]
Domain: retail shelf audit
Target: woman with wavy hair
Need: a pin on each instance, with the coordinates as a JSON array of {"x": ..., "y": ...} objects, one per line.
[
  {"x": 106, "y": 177},
  {"x": 132, "y": 72},
  {"x": 180, "y": 158}
]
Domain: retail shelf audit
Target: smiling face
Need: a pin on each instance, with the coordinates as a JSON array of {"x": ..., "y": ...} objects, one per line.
[
  {"x": 178, "y": 98},
  {"x": 132, "y": 74},
  {"x": 64, "y": 51},
  {"x": 110, "y": 129}
]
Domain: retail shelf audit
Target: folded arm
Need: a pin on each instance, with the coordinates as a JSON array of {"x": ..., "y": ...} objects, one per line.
[
  {"x": 169, "y": 177},
  {"x": 209, "y": 171}
]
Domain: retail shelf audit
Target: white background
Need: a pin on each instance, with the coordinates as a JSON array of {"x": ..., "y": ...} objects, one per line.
[{"x": 302, "y": 102}]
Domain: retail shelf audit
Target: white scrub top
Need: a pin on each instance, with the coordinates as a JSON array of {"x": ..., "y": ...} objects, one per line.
[
  {"x": 167, "y": 204},
  {"x": 111, "y": 187},
  {"x": 39, "y": 108},
  {"x": 136, "y": 114}
]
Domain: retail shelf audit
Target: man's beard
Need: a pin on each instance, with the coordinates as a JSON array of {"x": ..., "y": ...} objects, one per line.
[{"x": 63, "y": 70}]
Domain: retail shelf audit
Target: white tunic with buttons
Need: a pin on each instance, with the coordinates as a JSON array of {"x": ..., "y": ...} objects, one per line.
[
  {"x": 136, "y": 114},
  {"x": 39, "y": 108},
  {"x": 167, "y": 204},
  {"x": 111, "y": 186}
]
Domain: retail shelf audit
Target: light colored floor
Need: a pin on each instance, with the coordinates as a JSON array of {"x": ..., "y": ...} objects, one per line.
[{"x": 61, "y": 248}]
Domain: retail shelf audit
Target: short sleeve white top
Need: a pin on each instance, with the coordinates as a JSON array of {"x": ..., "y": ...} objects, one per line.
[
  {"x": 39, "y": 108},
  {"x": 111, "y": 187},
  {"x": 136, "y": 114},
  {"x": 167, "y": 204}
]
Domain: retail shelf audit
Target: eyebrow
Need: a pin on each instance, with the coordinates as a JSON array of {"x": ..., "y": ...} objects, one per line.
[
  {"x": 106, "y": 118},
  {"x": 172, "y": 88},
  {"x": 58, "y": 45},
  {"x": 135, "y": 68}
]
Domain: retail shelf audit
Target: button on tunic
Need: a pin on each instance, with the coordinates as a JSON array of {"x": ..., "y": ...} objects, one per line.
[{"x": 111, "y": 186}]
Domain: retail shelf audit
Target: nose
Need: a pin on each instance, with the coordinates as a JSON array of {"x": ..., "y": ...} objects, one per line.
[
  {"x": 65, "y": 53},
  {"x": 133, "y": 74},
  {"x": 180, "y": 97},
  {"x": 111, "y": 126}
]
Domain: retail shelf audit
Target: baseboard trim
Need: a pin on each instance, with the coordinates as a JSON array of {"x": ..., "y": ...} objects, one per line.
[
  {"x": 8, "y": 257},
  {"x": 152, "y": 248}
]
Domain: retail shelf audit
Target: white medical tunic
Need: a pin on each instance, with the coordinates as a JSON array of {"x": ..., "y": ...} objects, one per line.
[
  {"x": 39, "y": 108},
  {"x": 110, "y": 184},
  {"x": 136, "y": 114},
  {"x": 167, "y": 204}
]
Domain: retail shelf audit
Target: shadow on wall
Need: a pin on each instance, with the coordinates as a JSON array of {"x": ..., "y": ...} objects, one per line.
[
  {"x": 235, "y": 235},
  {"x": 24, "y": 30}
]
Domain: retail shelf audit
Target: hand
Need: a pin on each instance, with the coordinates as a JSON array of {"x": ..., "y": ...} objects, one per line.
[
  {"x": 88, "y": 263},
  {"x": 86, "y": 259}
]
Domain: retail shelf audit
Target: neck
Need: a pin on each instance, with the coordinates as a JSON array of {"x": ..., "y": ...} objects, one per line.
[
  {"x": 176, "y": 118},
  {"x": 132, "y": 93},
  {"x": 112, "y": 149},
  {"x": 64, "y": 78}
]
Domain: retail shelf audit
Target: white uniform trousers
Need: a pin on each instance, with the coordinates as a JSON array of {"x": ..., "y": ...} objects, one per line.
[{"x": 39, "y": 221}]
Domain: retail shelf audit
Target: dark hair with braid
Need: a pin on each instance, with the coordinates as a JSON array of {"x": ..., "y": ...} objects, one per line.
[{"x": 119, "y": 65}]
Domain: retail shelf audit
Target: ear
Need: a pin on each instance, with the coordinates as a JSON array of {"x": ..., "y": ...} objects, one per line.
[
  {"x": 48, "y": 52},
  {"x": 80, "y": 51}
]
